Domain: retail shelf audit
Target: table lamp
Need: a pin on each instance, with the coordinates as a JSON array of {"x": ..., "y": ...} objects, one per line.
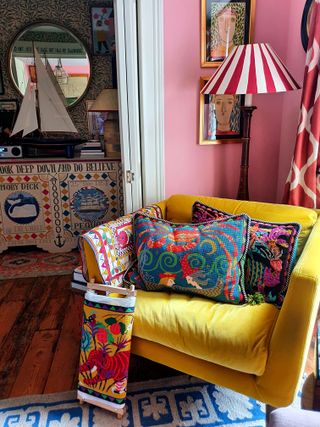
[
  {"x": 107, "y": 101},
  {"x": 249, "y": 69}
]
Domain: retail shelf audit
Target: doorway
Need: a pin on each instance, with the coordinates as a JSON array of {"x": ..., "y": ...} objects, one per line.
[{"x": 139, "y": 51}]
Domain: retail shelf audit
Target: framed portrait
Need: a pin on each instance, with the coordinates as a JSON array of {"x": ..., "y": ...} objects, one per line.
[
  {"x": 102, "y": 25},
  {"x": 1, "y": 83},
  {"x": 305, "y": 23},
  {"x": 220, "y": 118},
  {"x": 8, "y": 114},
  {"x": 224, "y": 25}
]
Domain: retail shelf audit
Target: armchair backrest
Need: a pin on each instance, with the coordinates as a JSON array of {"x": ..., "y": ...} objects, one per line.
[
  {"x": 107, "y": 250},
  {"x": 179, "y": 208}
]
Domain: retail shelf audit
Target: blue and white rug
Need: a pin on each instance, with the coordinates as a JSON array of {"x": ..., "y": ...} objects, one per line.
[{"x": 176, "y": 401}]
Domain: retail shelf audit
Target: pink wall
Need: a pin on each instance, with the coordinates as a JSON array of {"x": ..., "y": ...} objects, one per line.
[
  {"x": 295, "y": 60},
  {"x": 214, "y": 170}
]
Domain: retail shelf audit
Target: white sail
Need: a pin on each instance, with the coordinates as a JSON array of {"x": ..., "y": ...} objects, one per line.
[
  {"x": 27, "y": 117},
  {"x": 55, "y": 82},
  {"x": 53, "y": 114}
]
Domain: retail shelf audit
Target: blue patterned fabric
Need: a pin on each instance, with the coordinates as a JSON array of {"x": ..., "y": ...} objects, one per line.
[
  {"x": 204, "y": 259},
  {"x": 177, "y": 401},
  {"x": 271, "y": 254}
]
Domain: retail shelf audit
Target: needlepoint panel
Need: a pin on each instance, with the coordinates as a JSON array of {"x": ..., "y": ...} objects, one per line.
[{"x": 50, "y": 204}]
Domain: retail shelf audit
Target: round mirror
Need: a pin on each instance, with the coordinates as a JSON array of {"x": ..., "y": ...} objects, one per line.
[{"x": 62, "y": 53}]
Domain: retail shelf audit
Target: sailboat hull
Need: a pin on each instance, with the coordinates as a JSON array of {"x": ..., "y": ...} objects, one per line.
[
  {"x": 50, "y": 142},
  {"x": 48, "y": 147}
]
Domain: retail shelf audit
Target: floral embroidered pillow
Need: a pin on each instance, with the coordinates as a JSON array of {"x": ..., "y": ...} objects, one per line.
[
  {"x": 271, "y": 254},
  {"x": 204, "y": 259}
]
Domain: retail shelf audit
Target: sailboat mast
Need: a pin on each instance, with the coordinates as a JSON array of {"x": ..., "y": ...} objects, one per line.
[{"x": 36, "y": 90}]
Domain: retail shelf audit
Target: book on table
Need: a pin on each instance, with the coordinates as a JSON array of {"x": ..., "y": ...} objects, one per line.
[{"x": 78, "y": 281}]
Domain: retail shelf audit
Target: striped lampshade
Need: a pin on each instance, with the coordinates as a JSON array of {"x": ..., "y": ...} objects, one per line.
[{"x": 250, "y": 69}]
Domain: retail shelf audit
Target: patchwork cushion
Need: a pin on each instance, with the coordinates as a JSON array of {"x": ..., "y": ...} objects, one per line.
[
  {"x": 271, "y": 254},
  {"x": 112, "y": 244},
  {"x": 205, "y": 259}
]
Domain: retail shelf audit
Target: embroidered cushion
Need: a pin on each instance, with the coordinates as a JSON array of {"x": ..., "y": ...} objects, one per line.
[
  {"x": 112, "y": 244},
  {"x": 271, "y": 254},
  {"x": 204, "y": 259},
  {"x": 132, "y": 276}
]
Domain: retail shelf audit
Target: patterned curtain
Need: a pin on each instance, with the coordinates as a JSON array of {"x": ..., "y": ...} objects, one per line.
[{"x": 303, "y": 183}]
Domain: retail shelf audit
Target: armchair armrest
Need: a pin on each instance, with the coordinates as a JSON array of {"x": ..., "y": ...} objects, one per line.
[{"x": 291, "y": 338}]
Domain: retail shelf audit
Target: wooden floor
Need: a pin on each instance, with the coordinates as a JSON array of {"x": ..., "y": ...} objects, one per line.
[
  {"x": 40, "y": 328},
  {"x": 40, "y": 331}
]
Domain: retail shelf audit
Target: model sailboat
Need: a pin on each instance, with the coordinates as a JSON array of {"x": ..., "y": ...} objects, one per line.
[{"x": 43, "y": 109}]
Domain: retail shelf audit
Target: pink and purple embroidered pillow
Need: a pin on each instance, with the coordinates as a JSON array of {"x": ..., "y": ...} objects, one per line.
[
  {"x": 271, "y": 254},
  {"x": 204, "y": 259}
]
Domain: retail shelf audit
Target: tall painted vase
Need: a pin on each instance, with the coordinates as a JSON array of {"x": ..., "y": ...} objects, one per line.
[{"x": 105, "y": 347}]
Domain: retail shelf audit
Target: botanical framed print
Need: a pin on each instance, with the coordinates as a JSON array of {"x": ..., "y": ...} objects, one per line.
[
  {"x": 102, "y": 24},
  {"x": 305, "y": 23},
  {"x": 224, "y": 25},
  {"x": 220, "y": 119}
]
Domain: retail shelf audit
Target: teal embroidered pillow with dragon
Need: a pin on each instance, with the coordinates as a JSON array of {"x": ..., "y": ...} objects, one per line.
[
  {"x": 271, "y": 254},
  {"x": 202, "y": 259}
]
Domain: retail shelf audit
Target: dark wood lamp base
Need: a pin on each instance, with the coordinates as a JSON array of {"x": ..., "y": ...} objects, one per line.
[{"x": 243, "y": 190}]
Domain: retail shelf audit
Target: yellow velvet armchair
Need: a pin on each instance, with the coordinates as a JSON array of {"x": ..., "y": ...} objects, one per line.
[{"x": 260, "y": 350}]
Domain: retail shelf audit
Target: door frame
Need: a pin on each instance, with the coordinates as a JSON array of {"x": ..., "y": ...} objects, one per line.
[{"x": 140, "y": 76}]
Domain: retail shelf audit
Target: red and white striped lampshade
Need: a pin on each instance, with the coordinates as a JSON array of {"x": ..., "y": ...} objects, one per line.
[{"x": 250, "y": 69}]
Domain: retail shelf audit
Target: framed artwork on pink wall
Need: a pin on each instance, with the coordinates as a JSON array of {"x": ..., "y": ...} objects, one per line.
[
  {"x": 220, "y": 119},
  {"x": 224, "y": 25}
]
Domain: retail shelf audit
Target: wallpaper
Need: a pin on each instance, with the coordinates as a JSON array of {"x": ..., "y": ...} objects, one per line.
[{"x": 72, "y": 14}]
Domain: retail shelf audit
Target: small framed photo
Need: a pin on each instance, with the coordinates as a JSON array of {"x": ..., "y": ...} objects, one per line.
[
  {"x": 102, "y": 24},
  {"x": 95, "y": 122},
  {"x": 220, "y": 119},
  {"x": 224, "y": 25},
  {"x": 1, "y": 83},
  {"x": 8, "y": 114}
]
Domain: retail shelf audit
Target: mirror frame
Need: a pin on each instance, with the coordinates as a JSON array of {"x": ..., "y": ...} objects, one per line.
[
  {"x": 304, "y": 24},
  {"x": 55, "y": 24}
]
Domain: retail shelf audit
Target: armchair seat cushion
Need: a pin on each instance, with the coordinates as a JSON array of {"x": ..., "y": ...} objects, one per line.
[{"x": 235, "y": 337}]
